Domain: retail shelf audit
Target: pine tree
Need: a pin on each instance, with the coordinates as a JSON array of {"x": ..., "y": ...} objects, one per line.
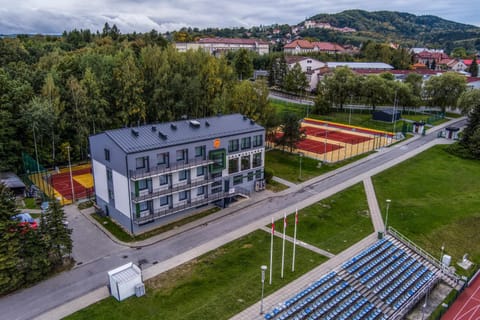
[
  {"x": 471, "y": 135},
  {"x": 10, "y": 246},
  {"x": 57, "y": 234},
  {"x": 473, "y": 69}
]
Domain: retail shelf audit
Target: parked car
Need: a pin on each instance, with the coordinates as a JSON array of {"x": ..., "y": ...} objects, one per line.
[
  {"x": 44, "y": 206},
  {"x": 25, "y": 220}
]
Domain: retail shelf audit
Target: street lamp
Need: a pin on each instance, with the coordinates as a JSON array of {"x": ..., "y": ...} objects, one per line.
[
  {"x": 71, "y": 177},
  {"x": 325, "y": 147},
  {"x": 386, "y": 216},
  {"x": 300, "y": 155},
  {"x": 263, "y": 268},
  {"x": 441, "y": 257}
]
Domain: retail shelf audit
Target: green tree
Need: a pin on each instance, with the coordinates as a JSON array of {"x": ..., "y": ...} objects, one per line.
[
  {"x": 444, "y": 90},
  {"x": 416, "y": 82},
  {"x": 10, "y": 245},
  {"x": 459, "y": 53},
  {"x": 375, "y": 90},
  {"x": 469, "y": 103},
  {"x": 57, "y": 234},
  {"x": 338, "y": 87},
  {"x": 296, "y": 80},
  {"x": 473, "y": 69},
  {"x": 292, "y": 132},
  {"x": 243, "y": 64}
]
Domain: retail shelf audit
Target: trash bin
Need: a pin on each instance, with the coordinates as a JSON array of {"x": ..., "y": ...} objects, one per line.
[{"x": 380, "y": 235}]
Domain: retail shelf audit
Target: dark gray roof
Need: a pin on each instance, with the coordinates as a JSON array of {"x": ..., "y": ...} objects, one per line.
[
  {"x": 161, "y": 135},
  {"x": 11, "y": 180}
]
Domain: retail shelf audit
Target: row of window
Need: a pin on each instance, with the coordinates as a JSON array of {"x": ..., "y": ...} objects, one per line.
[
  {"x": 245, "y": 143},
  {"x": 244, "y": 163},
  {"x": 167, "y": 178},
  {"x": 239, "y": 178},
  {"x": 163, "y": 159},
  {"x": 167, "y": 200}
]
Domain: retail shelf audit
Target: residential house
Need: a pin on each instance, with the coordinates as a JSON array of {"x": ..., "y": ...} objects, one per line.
[
  {"x": 328, "y": 47},
  {"x": 311, "y": 67},
  {"x": 153, "y": 174},
  {"x": 298, "y": 47}
]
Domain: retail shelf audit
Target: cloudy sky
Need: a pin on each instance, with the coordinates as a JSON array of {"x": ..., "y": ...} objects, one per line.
[{"x": 54, "y": 16}]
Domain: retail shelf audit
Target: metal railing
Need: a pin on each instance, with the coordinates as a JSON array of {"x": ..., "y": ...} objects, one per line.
[
  {"x": 427, "y": 256},
  {"x": 140, "y": 174},
  {"x": 162, "y": 212},
  {"x": 156, "y": 193}
]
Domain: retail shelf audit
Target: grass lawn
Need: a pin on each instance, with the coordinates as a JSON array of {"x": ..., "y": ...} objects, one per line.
[
  {"x": 335, "y": 223},
  {"x": 435, "y": 201},
  {"x": 216, "y": 285},
  {"x": 276, "y": 186},
  {"x": 286, "y": 165},
  {"x": 122, "y": 235}
]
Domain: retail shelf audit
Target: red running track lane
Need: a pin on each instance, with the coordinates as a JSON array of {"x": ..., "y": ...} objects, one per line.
[
  {"x": 335, "y": 135},
  {"x": 340, "y": 126},
  {"x": 61, "y": 183},
  {"x": 467, "y": 306}
]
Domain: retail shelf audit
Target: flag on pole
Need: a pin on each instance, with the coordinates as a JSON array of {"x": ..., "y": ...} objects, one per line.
[
  {"x": 271, "y": 250},
  {"x": 294, "y": 240},
  {"x": 283, "y": 242}
]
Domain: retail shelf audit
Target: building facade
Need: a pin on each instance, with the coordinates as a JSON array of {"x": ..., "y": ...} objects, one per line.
[
  {"x": 219, "y": 46},
  {"x": 155, "y": 173}
]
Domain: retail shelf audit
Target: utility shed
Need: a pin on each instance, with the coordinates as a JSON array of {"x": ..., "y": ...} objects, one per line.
[
  {"x": 13, "y": 182},
  {"x": 387, "y": 115},
  {"x": 126, "y": 281}
]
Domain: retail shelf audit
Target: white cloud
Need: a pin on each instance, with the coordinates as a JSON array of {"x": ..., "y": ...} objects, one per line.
[{"x": 54, "y": 16}]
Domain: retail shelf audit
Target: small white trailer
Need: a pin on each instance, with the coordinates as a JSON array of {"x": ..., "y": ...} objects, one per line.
[{"x": 126, "y": 281}]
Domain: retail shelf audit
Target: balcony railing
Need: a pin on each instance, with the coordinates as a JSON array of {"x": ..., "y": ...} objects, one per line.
[
  {"x": 162, "y": 212},
  {"x": 140, "y": 174},
  {"x": 157, "y": 193}
]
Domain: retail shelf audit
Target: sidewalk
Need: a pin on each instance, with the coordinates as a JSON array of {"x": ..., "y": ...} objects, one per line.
[{"x": 285, "y": 182}]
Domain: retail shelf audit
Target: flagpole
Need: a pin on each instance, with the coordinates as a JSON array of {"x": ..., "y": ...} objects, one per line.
[
  {"x": 283, "y": 242},
  {"x": 271, "y": 251},
  {"x": 294, "y": 239}
]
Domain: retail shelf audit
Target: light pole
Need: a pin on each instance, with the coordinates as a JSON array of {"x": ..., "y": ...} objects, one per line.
[
  {"x": 71, "y": 177},
  {"x": 386, "y": 215},
  {"x": 325, "y": 147},
  {"x": 395, "y": 113},
  {"x": 263, "y": 268},
  {"x": 441, "y": 257},
  {"x": 300, "y": 155},
  {"x": 350, "y": 115}
]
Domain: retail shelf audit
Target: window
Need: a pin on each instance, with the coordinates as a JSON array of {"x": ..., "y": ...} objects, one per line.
[
  {"x": 107, "y": 154},
  {"x": 143, "y": 206},
  {"x": 182, "y": 155},
  {"x": 142, "y": 184},
  {"x": 164, "y": 179},
  {"x": 109, "y": 174},
  {"x": 200, "y": 171},
  {"x": 258, "y": 141},
  {"x": 257, "y": 160},
  {"x": 233, "y": 165},
  {"x": 140, "y": 163},
  {"x": 200, "y": 152},
  {"x": 200, "y": 190},
  {"x": 258, "y": 174},
  {"x": 162, "y": 159},
  {"x": 246, "y": 143},
  {"x": 309, "y": 69},
  {"x": 245, "y": 162},
  {"x": 219, "y": 160},
  {"x": 183, "y": 175},
  {"x": 237, "y": 179},
  {"x": 233, "y": 145},
  {"x": 110, "y": 195},
  {"x": 183, "y": 195},
  {"x": 250, "y": 176},
  {"x": 164, "y": 201}
]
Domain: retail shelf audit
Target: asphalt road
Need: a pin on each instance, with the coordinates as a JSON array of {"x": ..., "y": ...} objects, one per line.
[{"x": 58, "y": 290}]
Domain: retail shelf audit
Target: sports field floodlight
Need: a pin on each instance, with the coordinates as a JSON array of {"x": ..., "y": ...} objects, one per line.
[
  {"x": 263, "y": 269},
  {"x": 386, "y": 215},
  {"x": 300, "y": 155},
  {"x": 71, "y": 177}
]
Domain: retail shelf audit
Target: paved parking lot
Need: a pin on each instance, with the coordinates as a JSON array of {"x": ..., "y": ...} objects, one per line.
[{"x": 89, "y": 242}]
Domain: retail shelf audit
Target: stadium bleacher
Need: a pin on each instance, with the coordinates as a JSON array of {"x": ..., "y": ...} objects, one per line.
[{"x": 372, "y": 285}]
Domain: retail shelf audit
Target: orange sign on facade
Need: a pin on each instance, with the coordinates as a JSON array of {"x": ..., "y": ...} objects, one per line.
[{"x": 216, "y": 143}]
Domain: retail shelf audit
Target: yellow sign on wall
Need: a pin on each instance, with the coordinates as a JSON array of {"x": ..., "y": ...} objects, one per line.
[{"x": 216, "y": 143}]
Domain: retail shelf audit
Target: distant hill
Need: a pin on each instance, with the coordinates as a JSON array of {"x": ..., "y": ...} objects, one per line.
[{"x": 404, "y": 28}]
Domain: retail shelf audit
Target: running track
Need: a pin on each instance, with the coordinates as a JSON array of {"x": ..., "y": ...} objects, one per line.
[{"x": 467, "y": 306}]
